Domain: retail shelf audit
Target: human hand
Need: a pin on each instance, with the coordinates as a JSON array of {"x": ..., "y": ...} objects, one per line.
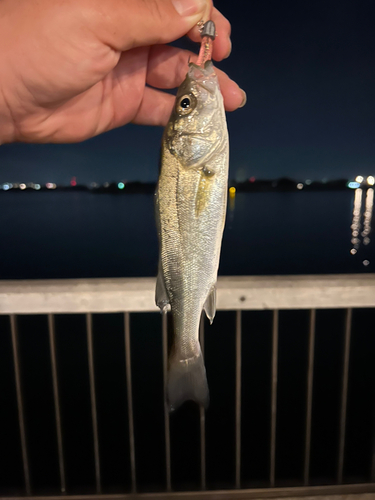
[{"x": 74, "y": 69}]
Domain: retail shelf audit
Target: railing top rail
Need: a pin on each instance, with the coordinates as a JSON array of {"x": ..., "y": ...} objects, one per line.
[{"x": 234, "y": 293}]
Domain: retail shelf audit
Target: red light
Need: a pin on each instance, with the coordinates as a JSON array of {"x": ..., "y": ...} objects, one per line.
[
  {"x": 252, "y": 179},
  {"x": 73, "y": 181}
]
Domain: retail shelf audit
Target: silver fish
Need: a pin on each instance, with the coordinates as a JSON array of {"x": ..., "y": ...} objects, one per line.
[{"x": 191, "y": 200}]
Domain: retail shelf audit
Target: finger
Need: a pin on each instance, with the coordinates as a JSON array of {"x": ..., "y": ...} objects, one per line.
[
  {"x": 167, "y": 69},
  {"x": 124, "y": 24},
  {"x": 222, "y": 46},
  {"x": 155, "y": 108}
]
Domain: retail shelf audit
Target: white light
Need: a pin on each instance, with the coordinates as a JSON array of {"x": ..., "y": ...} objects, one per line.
[
  {"x": 22, "y": 186},
  {"x": 308, "y": 182},
  {"x": 359, "y": 178},
  {"x": 300, "y": 185},
  {"x": 370, "y": 180},
  {"x": 366, "y": 262},
  {"x": 51, "y": 185},
  {"x": 36, "y": 186},
  {"x": 6, "y": 187},
  {"x": 106, "y": 184},
  {"x": 353, "y": 251},
  {"x": 353, "y": 185}
]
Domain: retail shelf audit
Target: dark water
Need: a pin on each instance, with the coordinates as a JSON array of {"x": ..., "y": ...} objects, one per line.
[
  {"x": 73, "y": 235},
  {"x": 53, "y": 235}
]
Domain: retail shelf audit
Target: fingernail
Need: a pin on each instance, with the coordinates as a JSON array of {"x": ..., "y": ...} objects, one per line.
[
  {"x": 244, "y": 99},
  {"x": 189, "y": 7},
  {"x": 230, "y": 49}
]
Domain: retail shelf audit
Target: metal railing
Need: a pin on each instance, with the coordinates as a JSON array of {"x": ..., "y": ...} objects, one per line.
[{"x": 234, "y": 293}]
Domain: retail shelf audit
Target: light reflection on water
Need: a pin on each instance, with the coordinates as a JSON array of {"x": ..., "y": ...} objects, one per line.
[
  {"x": 368, "y": 216},
  {"x": 357, "y": 220},
  {"x": 356, "y": 224}
]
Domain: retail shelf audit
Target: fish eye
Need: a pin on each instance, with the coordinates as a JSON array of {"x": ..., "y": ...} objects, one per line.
[{"x": 185, "y": 104}]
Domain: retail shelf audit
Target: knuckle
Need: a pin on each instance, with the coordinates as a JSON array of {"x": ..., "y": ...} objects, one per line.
[{"x": 154, "y": 6}]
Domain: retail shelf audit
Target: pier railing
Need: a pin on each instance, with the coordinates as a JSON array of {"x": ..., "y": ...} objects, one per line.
[{"x": 237, "y": 294}]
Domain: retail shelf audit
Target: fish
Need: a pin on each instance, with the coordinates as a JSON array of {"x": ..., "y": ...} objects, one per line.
[{"x": 190, "y": 206}]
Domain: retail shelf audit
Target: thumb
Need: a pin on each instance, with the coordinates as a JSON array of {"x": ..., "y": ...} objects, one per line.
[{"x": 124, "y": 24}]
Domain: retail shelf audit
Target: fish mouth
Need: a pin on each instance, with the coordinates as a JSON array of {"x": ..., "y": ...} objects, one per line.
[{"x": 201, "y": 75}]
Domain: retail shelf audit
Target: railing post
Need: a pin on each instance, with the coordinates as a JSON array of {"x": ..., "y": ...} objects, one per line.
[
  {"x": 310, "y": 378},
  {"x": 166, "y": 410},
  {"x": 344, "y": 394},
  {"x": 21, "y": 416},
  {"x": 202, "y": 414},
  {"x": 130, "y": 401},
  {"x": 238, "y": 398},
  {"x": 275, "y": 338},
  {"x": 90, "y": 353},
  {"x": 55, "y": 384}
]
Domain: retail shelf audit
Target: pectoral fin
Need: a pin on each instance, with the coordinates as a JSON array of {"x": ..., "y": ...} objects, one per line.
[
  {"x": 161, "y": 296},
  {"x": 210, "y": 305}
]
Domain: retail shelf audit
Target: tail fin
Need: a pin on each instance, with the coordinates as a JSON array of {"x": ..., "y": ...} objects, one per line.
[{"x": 187, "y": 380}]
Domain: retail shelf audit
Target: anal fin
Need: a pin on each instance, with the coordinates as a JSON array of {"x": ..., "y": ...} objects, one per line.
[{"x": 210, "y": 305}]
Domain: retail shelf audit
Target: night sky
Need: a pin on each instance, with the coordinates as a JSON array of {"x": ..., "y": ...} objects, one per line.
[{"x": 309, "y": 72}]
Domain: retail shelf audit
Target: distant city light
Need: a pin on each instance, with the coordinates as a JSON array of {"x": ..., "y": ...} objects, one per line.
[
  {"x": 353, "y": 251},
  {"x": 359, "y": 178},
  {"x": 370, "y": 180},
  {"x": 22, "y": 186},
  {"x": 106, "y": 184},
  {"x": 308, "y": 182},
  {"x": 51, "y": 185},
  {"x": 232, "y": 190},
  {"x": 6, "y": 187},
  {"x": 37, "y": 186},
  {"x": 121, "y": 185},
  {"x": 353, "y": 185},
  {"x": 252, "y": 179},
  {"x": 300, "y": 185},
  {"x": 73, "y": 181},
  {"x": 366, "y": 262},
  {"x": 94, "y": 184}
]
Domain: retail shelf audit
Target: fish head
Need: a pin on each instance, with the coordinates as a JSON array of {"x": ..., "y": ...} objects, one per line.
[{"x": 195, "y": 129}]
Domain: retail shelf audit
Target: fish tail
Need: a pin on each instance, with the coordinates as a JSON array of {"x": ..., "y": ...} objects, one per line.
[{"x": 187, "y": 381}]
